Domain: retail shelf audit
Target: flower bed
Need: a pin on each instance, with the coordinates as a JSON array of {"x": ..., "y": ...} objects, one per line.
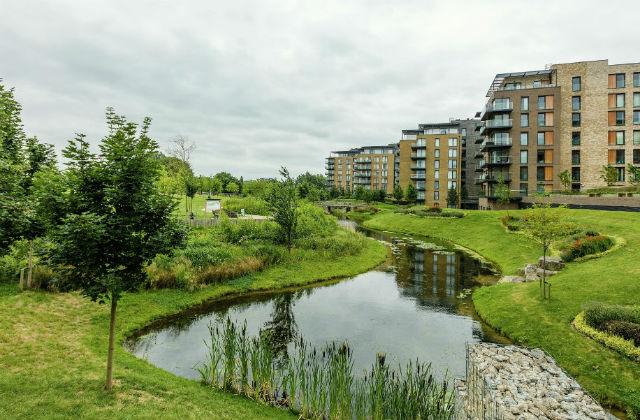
[{"x": 587, "y": 246}]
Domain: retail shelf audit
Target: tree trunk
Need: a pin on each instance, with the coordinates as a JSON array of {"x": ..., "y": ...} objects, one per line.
[
  {"x": 544, "y": 267},
  {"x": 30, "y": 272},
  {"x": 112, "y": 328}
]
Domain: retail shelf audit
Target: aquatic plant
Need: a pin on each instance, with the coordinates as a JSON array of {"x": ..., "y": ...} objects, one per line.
[{"x": 320, "y": 383}]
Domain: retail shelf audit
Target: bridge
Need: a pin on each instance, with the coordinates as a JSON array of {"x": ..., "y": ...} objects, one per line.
[{"x": 341, "y": 206}]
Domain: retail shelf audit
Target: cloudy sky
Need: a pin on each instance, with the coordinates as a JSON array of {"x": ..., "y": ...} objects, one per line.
[{"x": 259, "y": 84}]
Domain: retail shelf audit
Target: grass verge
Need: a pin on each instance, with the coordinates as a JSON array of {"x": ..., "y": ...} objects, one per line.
[
  {"x": 516, "y": 310},
  {"x": 53, "y": 349}
]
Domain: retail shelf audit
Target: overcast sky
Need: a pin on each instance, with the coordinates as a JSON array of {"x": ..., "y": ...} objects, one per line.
[{"x": 259, "y": 84}]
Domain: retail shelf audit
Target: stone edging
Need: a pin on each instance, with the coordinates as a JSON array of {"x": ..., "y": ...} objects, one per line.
[{"x": 619, "y": 344}]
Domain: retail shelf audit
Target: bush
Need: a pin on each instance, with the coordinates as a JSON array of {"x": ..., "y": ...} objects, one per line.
[
  {"x": 245, "y": 230},
  {"x": 591, "y": 233},
  {"x": 597, "y": 313},
  {"x": 339, "y": 245},
  {"x": 512, "y": 223},
  {"x": 626, "y": 330},
  {"x": 433, "y": 209},
  {"x": 251, "y": 205},
  {"x": 587, "y": 246},
  {"x": 312, "y": 221}
]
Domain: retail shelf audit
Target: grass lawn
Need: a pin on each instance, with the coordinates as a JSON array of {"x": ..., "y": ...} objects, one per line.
[
  {"x": 516, "y": 310},
  {"x": 53, "y": 349}
]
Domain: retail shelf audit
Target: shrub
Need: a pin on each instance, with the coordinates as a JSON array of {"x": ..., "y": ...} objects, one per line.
[
  {"x": 587, "y": 246},
  {"x": 597, "y": 313},
  {"x": 251, "y": 205},
  {"x": 591, "y": 233},
  {"x": 452, "y": 213},
  {"x": 245, "y": 230},
  {"x": 339, "y": 245},
  {"x": 312, "y": 221},
  {"x": 626, "y": 330},
  {"x": 512, "y": 223},
  {"x": 434, "y": 209}
]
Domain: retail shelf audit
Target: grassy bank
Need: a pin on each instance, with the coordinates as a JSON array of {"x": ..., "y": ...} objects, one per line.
[
  {"x": 53, "y": 349},
  {"x": 516, "y": 310}
]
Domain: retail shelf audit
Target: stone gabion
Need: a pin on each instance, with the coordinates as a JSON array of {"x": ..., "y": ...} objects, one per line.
[{"x": 510, "y": 382}]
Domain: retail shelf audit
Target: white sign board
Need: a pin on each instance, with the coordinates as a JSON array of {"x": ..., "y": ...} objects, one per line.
[{"x": 213, "y": 205}]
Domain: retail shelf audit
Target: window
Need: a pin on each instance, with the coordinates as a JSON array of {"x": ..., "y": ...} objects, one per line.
[
  {"x": 385, "y": 158},
  {"x": 537, "y": 83},
  {"x": 620, "y": 157},
  {"x": 453, "y": 153},
  {"x": 616, "y": 81},
  {"x": 575, "y": 157},
  {"x": 436, "y": 153},
  {"x": 437, "y": 141},
  {"x": 452, "y": 174},
  {"x": 436, "y": 174},
  {"x": 436, "y": 185},
  {"x": 540, "y": 173},
  {"x": 636, "y": 117},
  {"x": 636, "y": 156},
  {"x": 540, "y": 156},
  {"x": 524, "y": 189},
  {"x": 524, "y": 139},
  {"x": 636, "y": 79},
  {"x": 540, "y": 188},
  {"x": 452, "y": 184},
  {"x": 436, "y": 195},
  {"x": 636, "y": 137},
  {"x": 453, "y": 142},
  {"x": 541, "y": 138},
  {"x": 436, "y": 164},
  {"x": 421, "y": 142},
  {"x": 575, "y": 103},
  {"x": 524, "y": 156},
  {"x": 421, "y": 153},
  {"x": 524, "y": 120},
  {"x": 619, "y": 117},
  {"x": 542, "y": 121},
  {"x": 619, "y": 174},
  {"x": 636, "y": 99},
  {"x": 453, "y": 164},
  {"x": 575, "y": 174},
  {"x": 464, "y": 132},
  {"x": 524, "y": 103},
  {"x": 575, "y": 138},
  {"x": 575, "y": 119},
  {"x": 541, "y": 102},
  {"x": 545, "y": 156},
  {"x": 524, "y": 173},
  {"x": 576, "y": 83},
  {"x": 619, "y": 138}
]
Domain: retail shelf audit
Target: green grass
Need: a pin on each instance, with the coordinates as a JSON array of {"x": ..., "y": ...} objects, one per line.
[
  {"x": 516, "y": 310},
  {"x": 53, "y": 349}
]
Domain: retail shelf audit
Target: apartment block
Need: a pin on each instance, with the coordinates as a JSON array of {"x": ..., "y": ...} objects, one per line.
[
  {"x": 430, "y": 159},
  {"x": 575, "y": 117},
  {"x": 372, "y": 167}
]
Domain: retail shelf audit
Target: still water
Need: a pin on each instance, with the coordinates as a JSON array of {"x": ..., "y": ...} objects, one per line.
[{"x": 416, "y": 305}]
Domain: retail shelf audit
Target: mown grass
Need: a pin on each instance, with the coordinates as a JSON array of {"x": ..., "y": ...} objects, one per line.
[
  {"x": 517, "y": 311},
  {"x": 53, "y": 349}
]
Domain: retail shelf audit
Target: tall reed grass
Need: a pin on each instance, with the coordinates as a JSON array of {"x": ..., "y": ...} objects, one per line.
[{"x": 321, "y": 383}]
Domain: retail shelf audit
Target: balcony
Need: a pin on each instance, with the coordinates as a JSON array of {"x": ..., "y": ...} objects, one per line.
[
  {"x": 479, "y": 155},
  {"x": 503, "y": 123},
  {"x": 480, "y": 179},
  {"x": 415, "y": 156},
  {"x": 417, "y": 168},
  {"x": 499, "y": 161},
  {"x": 490, "y": 109},
  {"x": 494, "y": 143},
  {"x": 415, "y": 146},
  {"x": 479, "y": 139},
  {"x": 418, "y": 176},
  {"x": 480, "y": 165},
  {"x": 493, "y": 179}
]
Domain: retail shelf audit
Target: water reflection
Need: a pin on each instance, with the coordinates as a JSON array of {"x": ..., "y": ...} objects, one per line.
[{"x": 414, "y": 306}]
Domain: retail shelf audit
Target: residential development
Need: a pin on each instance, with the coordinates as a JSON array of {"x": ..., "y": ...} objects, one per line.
[{"x": 536, "y": 124}]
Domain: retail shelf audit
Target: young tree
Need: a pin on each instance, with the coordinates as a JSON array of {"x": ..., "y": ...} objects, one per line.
[
  {"x": 190, "y": 189},
  {"x": 398, "y": 193},
  {"x": 565, "y": 179},
  {"x": 503, "y": 193},
  {"x": 116, "y": 221},
  {"x": 368, "y": 195},
  {"x": 411, "y": 195},
  {"x": 380, "y": 196},
  {"x": 334, "y": 192},
  {"x": 359, "y": 193},
  {"x": 609, "y": 174},
  {"x": 546, "y": 224},
  {"x": 634, "y": 174},
  {"x": 232, "y": 188},
  {"x": 452, "y": 197},
  {"x": 464, "y": 193},
  {"x": 215, "y": 186},
  {"x": 284, "y": 203}
]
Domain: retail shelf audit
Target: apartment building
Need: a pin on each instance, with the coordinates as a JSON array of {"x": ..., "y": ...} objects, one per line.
[
  {"x": 430, "y": 159},
  {"x": 576, "y": 117},
  {"x": 372, "y": 167}
]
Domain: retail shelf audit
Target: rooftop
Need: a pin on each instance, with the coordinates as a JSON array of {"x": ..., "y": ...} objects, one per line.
[{"x": 500, "y": 78}]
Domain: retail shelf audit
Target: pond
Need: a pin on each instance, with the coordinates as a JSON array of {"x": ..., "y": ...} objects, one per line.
[{"x": 416, "y": 305}]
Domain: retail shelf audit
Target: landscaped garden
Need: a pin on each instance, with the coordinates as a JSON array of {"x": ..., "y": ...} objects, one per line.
[{"x": 518, "y": 311}]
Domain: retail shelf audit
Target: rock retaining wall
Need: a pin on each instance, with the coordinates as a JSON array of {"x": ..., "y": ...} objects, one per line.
[{"x": 510, "y": 382}]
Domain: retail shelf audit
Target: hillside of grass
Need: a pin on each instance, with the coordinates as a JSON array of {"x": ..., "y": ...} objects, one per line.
[
  {"x": 53, "y": 349},
  {"x": 516, "y": 310}
]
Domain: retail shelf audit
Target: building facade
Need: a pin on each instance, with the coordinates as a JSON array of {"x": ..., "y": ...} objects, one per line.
[
  {"x": 372, "y": 167},
  {"x": 576, "y": 117}
]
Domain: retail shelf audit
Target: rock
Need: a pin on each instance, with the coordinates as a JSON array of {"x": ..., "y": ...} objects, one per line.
[
  {"x": 540, "y": 272},
  {"x": 521, "y": 272},
  {"x": 511, "y": 279},
  {"x": 553, "y": 263},
  {"x": 532, "y": 277},
  {"x": 530, "y": 269}
]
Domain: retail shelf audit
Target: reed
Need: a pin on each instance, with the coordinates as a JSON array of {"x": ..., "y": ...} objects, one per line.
[{"x": 321, "y": 383}]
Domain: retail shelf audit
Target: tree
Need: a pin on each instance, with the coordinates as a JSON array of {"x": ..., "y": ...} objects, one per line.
[
  {"x": 116, "y": 221},
  {"x": 190, "y": 189},
  {"x": 452, "y": 197},
  {"x": 319, "y": 181},
  {"x": 181, "y": 148},
  {"x": 464, "y": 193},
  {"x": 546, "y": 224},
  {"x": 215, "y": 186},
  {"x": 609, "y": 174},
  {"x": 411, "y": 195},
  {"x": 334, "y": 192},
  {"x": 634, "y": 173},
  {"x": 284, "y": 202},
  {"x": 359, "y": 193},
  {"x": 226, "y": 178},
  {"x": 368, "y": 195},
  {"x": 565, "y": 179},
  {"x": 503, "y": 193},
  {"x": 240, "y": 185},
  {"x": 232, "y": 188},
  {"x": 398, "y": 193},
  {"x": 379, "y": 195}
]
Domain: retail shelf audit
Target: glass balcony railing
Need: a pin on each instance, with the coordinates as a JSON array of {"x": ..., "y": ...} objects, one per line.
[
  {"x": 499, "y": 160},
  {"x": 418, "y": 176},
  {"x": 502, "y": 123}
]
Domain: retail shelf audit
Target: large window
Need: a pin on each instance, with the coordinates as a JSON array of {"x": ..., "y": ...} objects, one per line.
[
  {"x": 453, "y": 142},
  {"x": 452, "y": 184},
  {"x": 453, "y": 164},
  {"x": 619, "y": 157},
  {"x": 636, "y": 137},
  {"x": 575, "y": 119},
  {"x": 575, "y": 103},
  {"x": 436, "y": 195},
  {"x": 616, "y": 117},
  {"x": 619, "y": 138},
  {"x": 619, "y": 174},
  {"x": 616, "y": 81},
  {"x": 436, "y": 185},
  {"x": 437, "y": 142},
  {"x": 524, "y": 103},
  {"x": 452, "y": 175},
  {"x": 524, "y": 189},
  {"x": 524, "y": 156},
  {"x": 636, "y": 117},
  {"x": 636, "y": 79},
  {"x": 524, "y": 173},
  {"x": 545, "y": 102},
  {"x": 524, "y": 120},
  {"x": 636, "y": 156},
  {"x": 575, "y": 138},
  {"x": 453, "y": 153},
  {"x": 436, "y": 153},
  {"x": 575, "y": 174},
  {"x": 576, "y": 83},
  {"x": 616, "y": 100},
  {"x": 575, "y": 157},
  {"x": 524, "y": 139},
  {"x": 436, "y": 164},
  {"x": 541, "y": 138},
  {"x": 636, "y": 99}
]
